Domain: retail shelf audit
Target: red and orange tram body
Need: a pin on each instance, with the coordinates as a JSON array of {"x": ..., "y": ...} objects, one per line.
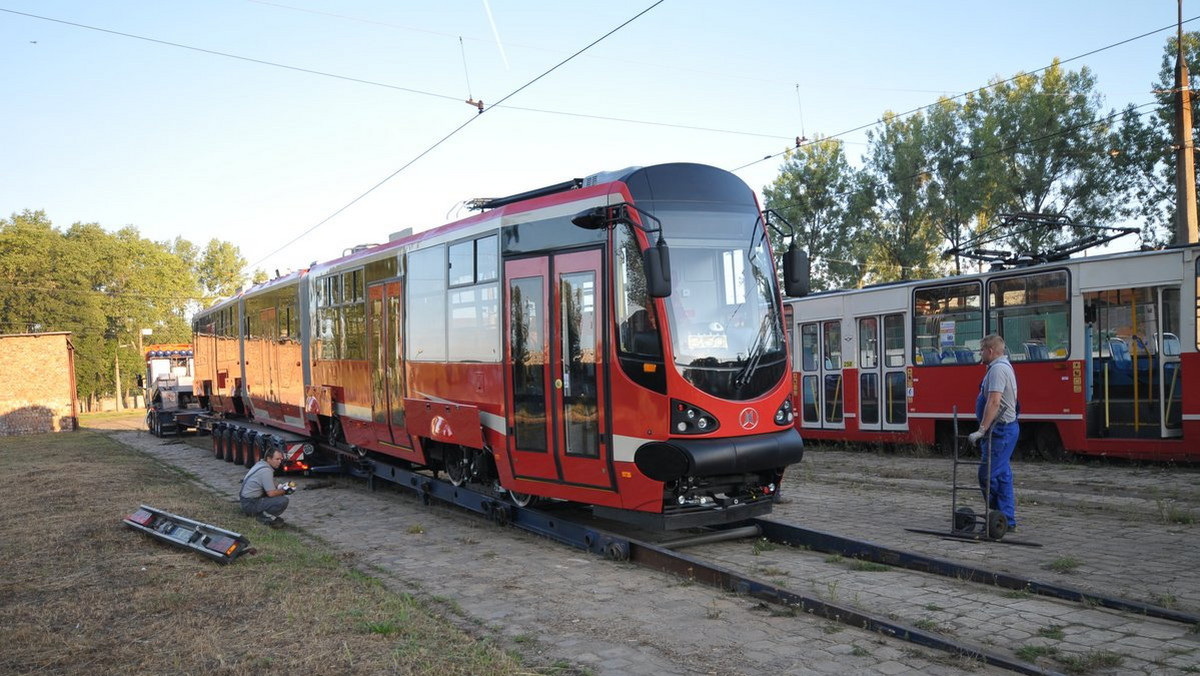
[
  {"x": 1104, "y": 349},
  {"x": 526, "y": 348}
]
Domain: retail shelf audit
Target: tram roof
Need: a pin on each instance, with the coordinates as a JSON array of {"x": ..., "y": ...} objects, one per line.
[{"x": 1080, "y": 261}]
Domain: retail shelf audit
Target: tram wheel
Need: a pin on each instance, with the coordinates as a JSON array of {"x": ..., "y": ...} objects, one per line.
[
  {"x": 964, "y": 519},
  {"x": 997, "y": 525},
  {"x": 1048, "y": 443},
  {"x": 457, "y": 465},
  {"x": 522, "y": 499}
]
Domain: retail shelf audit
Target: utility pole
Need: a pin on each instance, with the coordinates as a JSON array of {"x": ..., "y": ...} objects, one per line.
[
  {"x": 117, "y": 373},
  {"x": 1185, "y": 164}
]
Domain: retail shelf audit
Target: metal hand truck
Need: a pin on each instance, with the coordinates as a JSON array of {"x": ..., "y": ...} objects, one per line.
[{"x": 965, "y": 522}]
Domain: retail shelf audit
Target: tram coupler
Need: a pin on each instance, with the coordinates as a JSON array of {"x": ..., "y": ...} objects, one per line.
[{"x": 218, "y": 544}]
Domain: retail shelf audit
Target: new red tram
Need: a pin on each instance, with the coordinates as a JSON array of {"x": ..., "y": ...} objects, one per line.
[
  {"x": 1102, "y": 348},
  {"x": 615, "y": 341}
]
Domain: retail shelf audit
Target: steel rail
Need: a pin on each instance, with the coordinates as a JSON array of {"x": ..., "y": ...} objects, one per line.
[{"x": 868, "y": 551}]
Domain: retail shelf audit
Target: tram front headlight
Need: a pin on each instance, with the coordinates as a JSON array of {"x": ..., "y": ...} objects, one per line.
[
  {"x": 784, "y": 414},
  {"x": 689, "y": 419}
]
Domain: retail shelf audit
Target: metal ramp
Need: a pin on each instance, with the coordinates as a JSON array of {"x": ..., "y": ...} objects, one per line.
[{"x": 218, "y": 544}]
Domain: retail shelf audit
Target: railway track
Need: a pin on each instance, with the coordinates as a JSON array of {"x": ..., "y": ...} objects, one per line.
[{"x": 984, "y": 615}]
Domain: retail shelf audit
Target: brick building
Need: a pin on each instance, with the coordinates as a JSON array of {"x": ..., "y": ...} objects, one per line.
[{"x": 37, "y": 383}]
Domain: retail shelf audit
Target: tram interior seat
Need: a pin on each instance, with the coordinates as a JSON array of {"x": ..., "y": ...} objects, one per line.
[
  {"x": 930, "y": 356},
  {"x": 1120, "y": 355},
  {"x": 1035, "y": 351},
  {"x": 640, "y": 334},
  {"x": 964, "y": 356}
]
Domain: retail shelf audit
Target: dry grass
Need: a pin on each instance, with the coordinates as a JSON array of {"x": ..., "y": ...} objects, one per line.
[{"x": 81, "y": 593}]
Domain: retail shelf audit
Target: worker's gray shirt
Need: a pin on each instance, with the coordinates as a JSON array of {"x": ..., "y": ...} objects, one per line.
[
  {"x": 1000, "y": 378},
  {"x": 259, "y": 480}
]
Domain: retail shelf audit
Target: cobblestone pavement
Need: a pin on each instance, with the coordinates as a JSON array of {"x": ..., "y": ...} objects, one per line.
[{"x": 1127, "y": 528}]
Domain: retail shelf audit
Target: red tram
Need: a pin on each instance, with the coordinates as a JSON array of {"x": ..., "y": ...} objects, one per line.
[
  {"x": 552, "y": 346},
  {"x": 1100, "y": 346}
]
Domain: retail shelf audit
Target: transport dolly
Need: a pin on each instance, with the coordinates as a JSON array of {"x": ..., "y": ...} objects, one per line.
[
  {"x": 218, "y": 544},
  {"x": 966, "y": 523}
]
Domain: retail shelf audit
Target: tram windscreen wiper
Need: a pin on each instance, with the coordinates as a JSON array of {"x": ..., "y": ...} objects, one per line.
[{"x": 755, "y": 354}]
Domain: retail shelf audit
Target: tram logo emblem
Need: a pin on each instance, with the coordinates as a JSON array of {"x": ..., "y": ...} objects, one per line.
[{"x": 748, "y": 418}]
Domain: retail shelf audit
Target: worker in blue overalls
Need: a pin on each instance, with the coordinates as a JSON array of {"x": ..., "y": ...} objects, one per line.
[{"x": 996, "y": 409}]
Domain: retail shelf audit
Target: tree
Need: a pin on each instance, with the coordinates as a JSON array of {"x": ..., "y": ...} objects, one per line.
[
  {"x": 102, "y": 287},
  {"x": 902, "y": 237},
  {"x": 818, "y": 191},
  {"x": 1041, "y": 145},
  {"x": 219, "y": 270},
  {"x": 954, "y": 199}
]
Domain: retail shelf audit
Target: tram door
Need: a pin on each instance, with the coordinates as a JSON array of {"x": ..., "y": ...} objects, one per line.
[
  {"x": 554, "y": 352},
  {"x": 821, "y": 384},
  {"x": 385, "y": 317},
  {"x": 1137, "y": 379},
  {"x": 882, "y": 404}
]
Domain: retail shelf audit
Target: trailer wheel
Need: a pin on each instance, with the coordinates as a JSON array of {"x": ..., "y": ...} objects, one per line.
[
  {"x": 997, "y": 525},
  {"x": 150, "y": 422},
  {"x": 239, "y": 446},
  {"x": 216, "y": 440},
  {"x": 227, "y": 456},
  {"x": 251, "y": 446}
]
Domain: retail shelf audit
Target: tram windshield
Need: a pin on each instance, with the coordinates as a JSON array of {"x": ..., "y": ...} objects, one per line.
[{"x": 724, "y": 324}]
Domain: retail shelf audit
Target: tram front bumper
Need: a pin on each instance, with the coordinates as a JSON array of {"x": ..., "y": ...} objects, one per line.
[{"x": 681, "y": 457}]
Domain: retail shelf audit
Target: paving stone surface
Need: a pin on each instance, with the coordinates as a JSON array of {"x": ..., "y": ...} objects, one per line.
[{"x": 1122, "y": 529}]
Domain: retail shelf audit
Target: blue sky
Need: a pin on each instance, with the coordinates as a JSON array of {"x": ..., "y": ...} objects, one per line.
[{"x": 177, "y": 142}]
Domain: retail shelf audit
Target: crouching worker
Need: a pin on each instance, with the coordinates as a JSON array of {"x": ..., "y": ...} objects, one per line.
[{"x": 260, "y": 497}]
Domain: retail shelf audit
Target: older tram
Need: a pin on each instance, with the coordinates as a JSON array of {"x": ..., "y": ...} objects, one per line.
[
  {"x": 615, "y": 341},
  {"x": 1101, "y": 347}
]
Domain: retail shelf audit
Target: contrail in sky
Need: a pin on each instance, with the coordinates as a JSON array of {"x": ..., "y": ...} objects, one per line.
[{"x": 488, "y": 8}]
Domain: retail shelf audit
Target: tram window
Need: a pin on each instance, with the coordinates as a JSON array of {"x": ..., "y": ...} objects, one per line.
[
  {"x": 1032, "y": 313},
  {"x": 947, "y": 324},
  {"x": 808, "y": 347},
  {"x": 475, "y": 324},
  {"x": 637, "y": 323},
  {"x": 427, "y": 304},
  {"x": 462, "y": 263},
  {"x": 893, "y": 340},
  {"x": 833, "y": 345},
  {"x": 487, "y": 260},
  {"x": 868, "y": 343}
]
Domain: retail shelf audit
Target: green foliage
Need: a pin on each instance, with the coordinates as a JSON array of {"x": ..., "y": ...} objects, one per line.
[
  {"x": 820, "y": 194},
  {"x": 903, "y": 237},
  {"x": 934, "y": 179},
  {"x": 103, "y": 287},
  {"x": 1043, "y": 147}
]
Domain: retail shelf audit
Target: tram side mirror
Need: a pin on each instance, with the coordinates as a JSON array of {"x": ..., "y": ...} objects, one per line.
[
  {"x": 796, "y": 274},
  {"x": 591, "y": 219},
  {"x": 657, "y": 263}
]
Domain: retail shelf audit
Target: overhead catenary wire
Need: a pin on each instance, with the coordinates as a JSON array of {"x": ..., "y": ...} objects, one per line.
[
  {"x": 973, "y": 91},
  {"x": 455, "y": 131},
  {"x": 376, "y": 83}
]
